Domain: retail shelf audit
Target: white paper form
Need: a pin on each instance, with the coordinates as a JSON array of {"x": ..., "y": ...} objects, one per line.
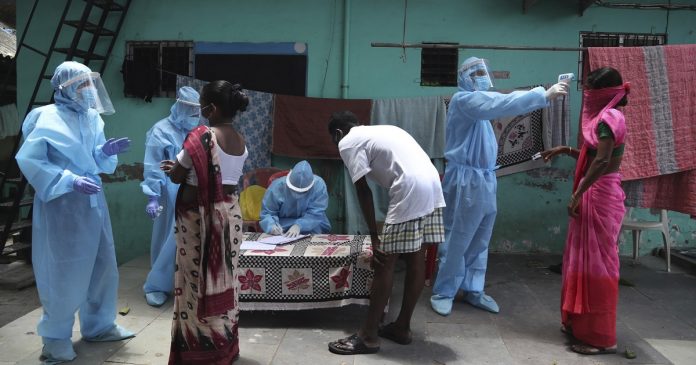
[{"x": 281, "y": 240}]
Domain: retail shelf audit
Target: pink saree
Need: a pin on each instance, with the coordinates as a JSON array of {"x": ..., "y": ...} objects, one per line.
[{"x": 589, "y": 294}]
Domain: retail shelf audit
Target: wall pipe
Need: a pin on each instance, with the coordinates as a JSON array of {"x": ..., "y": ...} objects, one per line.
[
  {"x": 475, "y": 46},
  {"x": 346, "y": 48}
]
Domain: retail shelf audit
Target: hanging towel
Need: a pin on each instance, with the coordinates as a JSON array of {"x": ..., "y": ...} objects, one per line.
[
  {"x": 556, "y": 121},
  {"x": 661, "y": 135},
  {"x": 424, "y": 118},
  {"x": 300, "y": 124},
  {"x": 254, "y": 123},
  {"x": 9, "y": 121}
]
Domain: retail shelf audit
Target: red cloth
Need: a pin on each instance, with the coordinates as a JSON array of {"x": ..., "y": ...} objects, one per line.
[
  {"x": 300, "y": 124},
  {"x": 596, "y": 107},
  {"x": 661, "y": 107},
  {"x": 661, "y": 135}
]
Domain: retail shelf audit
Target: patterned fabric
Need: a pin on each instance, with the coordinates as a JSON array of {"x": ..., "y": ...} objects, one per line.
[
  {"x": 409, "y": 236},
  {"x": 208, "y": 235},
  {"x": 522, "y": 136},
  {"x": 255, "y": 124},
  {"x": 321, "y": 271}
]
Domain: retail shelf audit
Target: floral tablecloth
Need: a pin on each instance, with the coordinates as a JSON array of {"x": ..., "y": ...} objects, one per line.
[{"x": 320, "y": 271}]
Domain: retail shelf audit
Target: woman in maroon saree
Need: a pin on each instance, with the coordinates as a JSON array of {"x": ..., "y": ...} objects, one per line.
[
  {"x": 589, "y": 294},
  {"x": 208, "y": 233}
]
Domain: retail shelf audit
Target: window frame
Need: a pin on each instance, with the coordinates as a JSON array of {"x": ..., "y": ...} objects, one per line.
[
  {"x": 612, "y": 39},
  {"x": 440, "y": 79},
  {"x": 163, "y": 92}
]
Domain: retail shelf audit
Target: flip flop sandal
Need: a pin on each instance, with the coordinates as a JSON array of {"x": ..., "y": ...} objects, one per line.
[
  {"x": 591, "y": 350},
  {"x": 385, "y": 332},
  {"x": 356, "y": 344}
]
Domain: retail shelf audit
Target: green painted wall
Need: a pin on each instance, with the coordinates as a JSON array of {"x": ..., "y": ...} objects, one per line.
[{"x": 531, "y": 205}]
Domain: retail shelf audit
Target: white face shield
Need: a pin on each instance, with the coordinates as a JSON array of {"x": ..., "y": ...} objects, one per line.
[
  {"x": 476, "y": 76},
  {"x": 89, "y": 92}
]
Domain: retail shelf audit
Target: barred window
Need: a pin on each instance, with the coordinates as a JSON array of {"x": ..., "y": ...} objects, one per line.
[
  {"x": 439, "y": 66},
  {"x": 156, "y": 64},
  {"x": 596, "y": 39}
]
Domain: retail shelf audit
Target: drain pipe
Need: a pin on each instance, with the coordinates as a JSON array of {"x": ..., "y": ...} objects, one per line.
[{"x": 346, "y": 48}]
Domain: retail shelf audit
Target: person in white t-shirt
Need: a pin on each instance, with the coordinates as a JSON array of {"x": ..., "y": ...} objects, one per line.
[{"x": 390, "y": 157}]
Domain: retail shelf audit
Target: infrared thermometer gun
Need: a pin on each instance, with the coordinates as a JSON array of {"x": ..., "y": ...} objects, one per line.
[{"x": 566, "y": 78}]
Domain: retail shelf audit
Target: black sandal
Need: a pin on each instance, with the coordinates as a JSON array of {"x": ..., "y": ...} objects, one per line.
[
  {"x": 351, "y": 345},
  {"x": 386, "y": 332}
]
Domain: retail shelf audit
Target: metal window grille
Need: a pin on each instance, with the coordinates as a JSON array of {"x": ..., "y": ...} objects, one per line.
[
  {"x": 439, "y": 66},
  {"x": 170, "y": 58},
  {"x": 596, "y": 39}
]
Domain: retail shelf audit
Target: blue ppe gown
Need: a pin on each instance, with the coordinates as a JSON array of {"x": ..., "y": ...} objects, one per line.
[
  {"x": 162, "y": 142},
  {"x": 285, "y": 207},
  {"x": 469, "y": 183},
  {"x": 72, "y": 243}
]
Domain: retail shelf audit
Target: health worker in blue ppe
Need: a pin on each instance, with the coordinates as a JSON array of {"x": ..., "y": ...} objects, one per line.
[
  {"x": 63, "y": 153},
  {"x": 296, "y": 204},
  {"x": 469, "y": 184},
  {"x": 162, "y": 142}
]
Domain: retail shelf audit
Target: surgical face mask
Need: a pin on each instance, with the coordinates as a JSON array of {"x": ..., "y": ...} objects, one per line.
[
  {"x": 482, "y": 83},
  {"x": 190, "y": 122},
  {"x": 86, "y": 98}
]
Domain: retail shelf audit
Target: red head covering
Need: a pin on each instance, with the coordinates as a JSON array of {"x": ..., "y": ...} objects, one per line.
[{"x": 594, "y": 103}]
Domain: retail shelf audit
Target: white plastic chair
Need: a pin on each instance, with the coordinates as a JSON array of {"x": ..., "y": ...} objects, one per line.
[{"x": 637, "y": 226}]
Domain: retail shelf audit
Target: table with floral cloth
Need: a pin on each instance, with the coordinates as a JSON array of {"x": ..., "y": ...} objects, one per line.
[{"x": 320, "y": 271}]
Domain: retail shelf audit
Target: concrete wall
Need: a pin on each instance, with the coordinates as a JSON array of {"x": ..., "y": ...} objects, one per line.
[{"x": 531, "y": 205}]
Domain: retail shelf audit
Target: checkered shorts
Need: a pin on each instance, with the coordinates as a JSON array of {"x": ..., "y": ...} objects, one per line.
[{"x": 409, "y": 236}]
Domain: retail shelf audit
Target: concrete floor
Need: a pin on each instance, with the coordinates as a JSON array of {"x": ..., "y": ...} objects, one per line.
[{"x": 656, "y": 320}]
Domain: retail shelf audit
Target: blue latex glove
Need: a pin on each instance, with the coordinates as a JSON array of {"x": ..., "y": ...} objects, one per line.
[
  {"x": 86, "y": 185},
  {"x": 152, "y": 207},
  {"x": 114, "y": 146}
]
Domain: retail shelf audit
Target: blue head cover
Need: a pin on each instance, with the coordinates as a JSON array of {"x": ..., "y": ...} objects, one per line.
[
  {"x": 467, "y": 80},
  {"x": 185, "y": 113},
  {"x": 67, "y": 95},
  {"x": 301, "y": 178}
]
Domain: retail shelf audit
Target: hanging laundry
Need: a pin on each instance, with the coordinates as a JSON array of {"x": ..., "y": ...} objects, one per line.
[
  {"x": 300, "y": 124},
  {"x": 424, "y": 118},
  {"x": 522, "y": 136},
  {"x": 254, "y": 124},
  {"x": 659, "y": 162},
  {"x": 661, "y": 135}
]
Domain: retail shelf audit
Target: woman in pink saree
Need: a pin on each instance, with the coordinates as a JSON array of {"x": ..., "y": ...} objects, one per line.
[{"x": 589, "y": 294}]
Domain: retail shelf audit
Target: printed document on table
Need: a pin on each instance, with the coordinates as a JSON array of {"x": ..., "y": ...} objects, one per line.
[{"x": 281, "y": 240}]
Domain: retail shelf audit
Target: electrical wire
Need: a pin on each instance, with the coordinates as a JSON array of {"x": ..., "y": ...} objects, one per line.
[
  {"x": 403, "y": 34},
  {"x": 331, "y": 42},
  {"x": 638, "y": 6}
]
